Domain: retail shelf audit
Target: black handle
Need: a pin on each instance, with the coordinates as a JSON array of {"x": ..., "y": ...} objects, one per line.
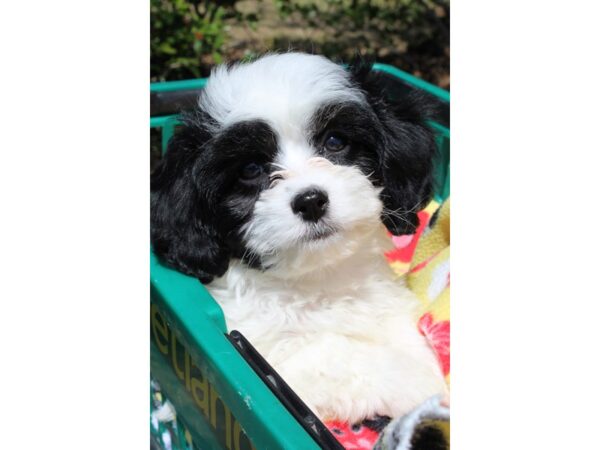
[{"x": 297, "y": 408}]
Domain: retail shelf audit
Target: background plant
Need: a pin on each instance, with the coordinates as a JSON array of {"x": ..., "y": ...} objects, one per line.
[
  {"x": 411, "y": 34},
  {"x": 189, "y": 37},
  {"x": 186, "y": 38}
]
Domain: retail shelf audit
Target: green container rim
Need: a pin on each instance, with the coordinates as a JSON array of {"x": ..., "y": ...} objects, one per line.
[{"x": 197, "y": 320}]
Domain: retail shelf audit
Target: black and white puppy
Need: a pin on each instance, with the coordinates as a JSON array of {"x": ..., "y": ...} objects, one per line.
[{"x": 273, "y": 194}]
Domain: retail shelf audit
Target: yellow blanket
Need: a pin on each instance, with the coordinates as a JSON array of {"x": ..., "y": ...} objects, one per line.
[
  {"x": 429, "y": 278},
  {"x": 424, "y": 258}
]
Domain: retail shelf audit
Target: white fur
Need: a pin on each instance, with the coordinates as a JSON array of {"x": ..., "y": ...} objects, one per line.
[
  {"x": 283, "y": 90},
  {"x": 343, "y": 337},
  {"x": 280, "y": 236},
  {"x": 327, "y": 313}
]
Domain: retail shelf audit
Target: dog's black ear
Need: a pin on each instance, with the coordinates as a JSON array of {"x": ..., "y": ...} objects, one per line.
[
  {"x": 407, "y": 147},
  {"x": 183, "y": 219}
]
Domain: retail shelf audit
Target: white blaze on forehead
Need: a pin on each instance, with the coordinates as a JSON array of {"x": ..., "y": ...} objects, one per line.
[
  {"x": 284, "y": 90},
  {"x": 293, "y": 154}
]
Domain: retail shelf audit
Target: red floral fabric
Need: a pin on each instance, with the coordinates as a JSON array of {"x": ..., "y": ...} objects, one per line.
[
  {"x": 438, "y": 336},
  {"x": 353, "y": 438}
]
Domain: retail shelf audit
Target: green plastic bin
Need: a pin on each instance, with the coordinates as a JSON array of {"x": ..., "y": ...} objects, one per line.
[{"x": 221, "y": 402}]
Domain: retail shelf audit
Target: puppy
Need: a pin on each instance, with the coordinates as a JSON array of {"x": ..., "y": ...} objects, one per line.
[{"x": 275, "y": 193}]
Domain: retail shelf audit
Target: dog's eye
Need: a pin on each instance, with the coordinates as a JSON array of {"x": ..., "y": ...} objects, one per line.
[
  {"x": 251, "y": 171},
  {"x": 335, "y": 143}
]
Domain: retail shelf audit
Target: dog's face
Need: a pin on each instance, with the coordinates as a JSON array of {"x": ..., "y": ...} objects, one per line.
[{"x": 289, "y": 163}]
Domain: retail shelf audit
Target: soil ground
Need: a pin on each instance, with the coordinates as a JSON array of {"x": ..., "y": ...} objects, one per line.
[{"x": 268, "y": 30}]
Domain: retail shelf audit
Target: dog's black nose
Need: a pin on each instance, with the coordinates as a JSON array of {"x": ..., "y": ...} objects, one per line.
[{"x": 310, "y": 204}]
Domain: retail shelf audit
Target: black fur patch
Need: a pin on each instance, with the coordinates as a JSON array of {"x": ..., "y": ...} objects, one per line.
[
  {"x": 406, "y": 151},
  {"x": 392, "y": 144},
  {"x": 198, "y": 199},
  {"x": 358, "y": 125}
]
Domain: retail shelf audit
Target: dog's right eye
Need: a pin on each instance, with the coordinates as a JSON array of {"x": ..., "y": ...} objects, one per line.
[
  {"x": 251, "y": 171},
  {"x": 335, "y": 143}
]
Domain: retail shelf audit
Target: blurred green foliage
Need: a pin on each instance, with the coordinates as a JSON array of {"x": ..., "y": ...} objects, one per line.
[
  {"x": 383, "y": 14},
  {"x": 413, "y": 35},
  {"x": 189, "y": 37},
  {"x": 184, "y": 37}
]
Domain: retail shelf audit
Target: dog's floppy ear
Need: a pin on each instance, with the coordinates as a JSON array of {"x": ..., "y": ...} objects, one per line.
[
  {"x": 405, "y": 166},
  {"x": 183, "y": 219}
]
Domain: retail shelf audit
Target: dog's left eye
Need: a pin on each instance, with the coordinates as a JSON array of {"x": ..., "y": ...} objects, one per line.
[
  {"x": 251, "y": 171},
  {"x": 335, "y": 143}
]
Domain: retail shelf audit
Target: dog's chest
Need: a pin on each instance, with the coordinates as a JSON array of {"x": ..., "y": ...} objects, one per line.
[{"x": 267, "y": 312}]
